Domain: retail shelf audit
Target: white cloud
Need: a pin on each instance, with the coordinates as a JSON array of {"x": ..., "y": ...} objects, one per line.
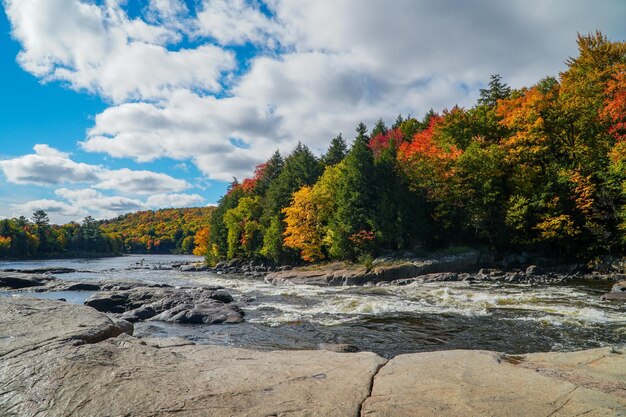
[
  {"x": 47, "y": 166},
  {"x": 140, "y": 182},
  {"x": 98, "y": 48},
  {"x": 99, "y": 205},
  {"x": 52, "y": 207},
  {"x": 324, "y": 67},
  {"x": 174, "y": 200},
  {"x": 234, "y": 22}
]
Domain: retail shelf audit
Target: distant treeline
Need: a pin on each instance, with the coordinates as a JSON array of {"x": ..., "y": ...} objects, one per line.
[
  {"x": 542, "y": 167},
  {"x": 162, "y": 231}
]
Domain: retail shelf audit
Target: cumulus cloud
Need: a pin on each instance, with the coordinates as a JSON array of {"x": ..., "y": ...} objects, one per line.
[
  {"x": 100, "y": 49},
  {"x": 140, "y": 182},
  {"x": 52, "y": 207},
  {"x": 236, "y": 22},
  {"x": 49, "y": 166},
  {"x": 308, "y": 70},
  {"x": 174, "y": 200}
]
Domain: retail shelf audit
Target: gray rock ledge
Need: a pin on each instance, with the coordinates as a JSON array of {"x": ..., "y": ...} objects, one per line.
[{"x": 59, "y": 359}]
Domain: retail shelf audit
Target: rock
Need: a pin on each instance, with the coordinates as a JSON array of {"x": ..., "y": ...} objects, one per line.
[
  {"x": 205, "y": 313},
  {"x": 176, "y": 305},
  {"x": 17, "y": 280},
  {"x": 422, "y": 279},
  {"x": 83, "y": 286},
  {"x": 342, "y": 273},
  {"x": 338, "y": 347},
  {"x": 534, "y": 270},
  {"x": 75, "y": 365},
  {"x": 126, "y": 326},
  {"x": 479, "y": 383},
  {"x": 126, "y": 376},
  {"x": 619, "y": 287},
  {"x": 28, "y": 324},
  {"x": 618, "y": 293}
]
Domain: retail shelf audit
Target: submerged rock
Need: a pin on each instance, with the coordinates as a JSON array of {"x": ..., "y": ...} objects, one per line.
[{"x": 177, "y": 305}]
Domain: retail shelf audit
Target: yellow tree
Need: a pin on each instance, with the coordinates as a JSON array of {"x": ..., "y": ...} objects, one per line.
[{"x": 307, "y": 217}]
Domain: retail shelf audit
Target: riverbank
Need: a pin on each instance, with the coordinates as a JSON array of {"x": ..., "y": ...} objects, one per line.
[{"x": 62, "y": 359}]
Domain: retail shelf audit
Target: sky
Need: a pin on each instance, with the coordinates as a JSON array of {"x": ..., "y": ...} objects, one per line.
[{"x": 112, "y": 106}]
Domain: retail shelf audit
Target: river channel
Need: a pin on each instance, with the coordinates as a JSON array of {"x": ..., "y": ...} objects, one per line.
[{"x": 387, "y": 320}]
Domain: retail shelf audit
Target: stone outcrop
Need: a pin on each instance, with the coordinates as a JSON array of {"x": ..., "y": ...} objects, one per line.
[
  {"x": 176, "y": 305},
  {"x": 341, "y": 273},
  {"x": 19, "y": 280},
  {"x": 125, "y": 376},
  {"x": 479, "y": 383},
  {"x": 59, "y": 359},
  {"x": 618, "y": 293}
]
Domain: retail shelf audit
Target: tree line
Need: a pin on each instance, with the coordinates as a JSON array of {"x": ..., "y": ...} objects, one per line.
[
  {"x": 161, "y": 231},
  {"x": 541, "y": 167}
]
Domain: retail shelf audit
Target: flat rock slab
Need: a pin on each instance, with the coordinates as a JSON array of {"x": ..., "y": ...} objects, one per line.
[
  {"x": 126, "y": 376},
  {"x": 30, "y": 324},
  {"x": 480, "y": 383}
]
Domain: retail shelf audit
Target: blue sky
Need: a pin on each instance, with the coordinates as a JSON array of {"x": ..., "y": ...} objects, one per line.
[{"x": 112, "y": 106}]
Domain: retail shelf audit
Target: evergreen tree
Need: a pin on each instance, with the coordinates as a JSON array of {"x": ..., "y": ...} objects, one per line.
[
  {"x": 352, "y": 223},
  {"x": 336, "y": 151},
  {"x": 497, "y": 90}
]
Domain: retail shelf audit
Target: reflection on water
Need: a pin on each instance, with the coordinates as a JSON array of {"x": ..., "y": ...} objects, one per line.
[{"x": 387, "y": 320}]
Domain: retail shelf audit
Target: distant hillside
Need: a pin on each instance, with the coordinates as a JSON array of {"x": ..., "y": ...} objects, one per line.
[{"x": 161, "y": 231}]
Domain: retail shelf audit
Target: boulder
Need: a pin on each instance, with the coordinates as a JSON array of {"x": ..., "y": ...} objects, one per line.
[
  {"x": 618, "y": 293},
  {"x": 177, "y": 305},
  {"x": 534, "y": 270}
]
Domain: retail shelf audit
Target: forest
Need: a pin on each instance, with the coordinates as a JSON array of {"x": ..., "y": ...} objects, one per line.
[
  {"x": 540, "y": 168},
  {"x": 161, "y": 231}
]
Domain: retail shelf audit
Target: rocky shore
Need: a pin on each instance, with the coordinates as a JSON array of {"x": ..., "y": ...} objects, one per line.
[{"x": 59, "y": 359}]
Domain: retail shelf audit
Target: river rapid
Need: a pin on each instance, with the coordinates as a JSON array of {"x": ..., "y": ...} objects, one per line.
[{"x": 513, "y": 318}]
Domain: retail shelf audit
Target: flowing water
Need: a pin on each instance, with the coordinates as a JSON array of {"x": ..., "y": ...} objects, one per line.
[{"x": 387, "y": 320}]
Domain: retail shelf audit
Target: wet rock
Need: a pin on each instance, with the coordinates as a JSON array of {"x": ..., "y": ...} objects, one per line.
[
  {"x": 177, "y": 305},
  {"x": 442, "y": 277},
  {"x": 83, "y": 286},
  {"x": 204, "y": 313},
  {"x": 534, "y": 270},
  {"x": 50, "y": 270},
  {"x": 338, "y": 347},
  {"x": 17, "y": 280},
  {"x": 618, "y": 293},
  {"x": 619, "y": 287}
]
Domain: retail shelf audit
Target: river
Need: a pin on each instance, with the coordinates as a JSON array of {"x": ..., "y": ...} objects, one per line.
[{"x": 387, "y": 320}]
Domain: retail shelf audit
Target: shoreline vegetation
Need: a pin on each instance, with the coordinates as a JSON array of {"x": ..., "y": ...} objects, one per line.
[{"x": 540, "y": 169}]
